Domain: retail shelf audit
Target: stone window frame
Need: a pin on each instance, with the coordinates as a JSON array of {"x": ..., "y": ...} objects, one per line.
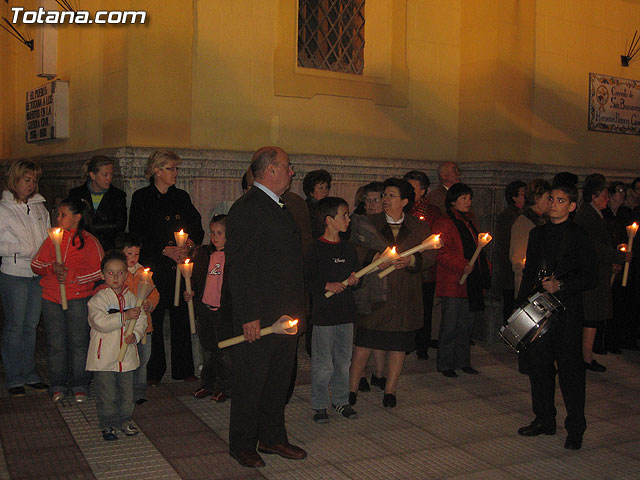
[{"x": 290, "y": 80}]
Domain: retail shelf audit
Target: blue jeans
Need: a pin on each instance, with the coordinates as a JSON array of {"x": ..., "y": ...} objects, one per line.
[
  {"x": 68, "y": 343},
  {"x": 21, "y": 299},
  {"x": 331, "y": 349},
  {"x": 140, "y": 373},
  {"x": 114, "y": 398},
  {"x": 456, "y": 327}
]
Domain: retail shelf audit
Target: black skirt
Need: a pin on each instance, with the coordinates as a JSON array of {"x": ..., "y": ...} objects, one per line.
[{"x": 385, "y": 340}]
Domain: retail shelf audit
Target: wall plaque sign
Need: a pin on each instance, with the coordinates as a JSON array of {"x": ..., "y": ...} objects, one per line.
[
  {"x": 614, "y": 104},
  {"x": 47, "y": 112}
]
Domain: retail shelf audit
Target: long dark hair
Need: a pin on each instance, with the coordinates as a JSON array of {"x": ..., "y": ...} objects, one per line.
[{"x": 78, "y": 205}]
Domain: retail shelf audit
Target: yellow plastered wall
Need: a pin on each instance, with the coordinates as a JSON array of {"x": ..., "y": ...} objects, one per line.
[
  {"x": 235, "y": 105},
  {"x": 496, "y": 80},
  {"x": 574, "y": 38}
]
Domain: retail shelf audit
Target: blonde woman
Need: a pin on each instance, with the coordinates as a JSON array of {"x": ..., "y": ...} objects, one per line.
[
  {"x": 24, "y": 221},
  {"x": 157, "y": 211}
]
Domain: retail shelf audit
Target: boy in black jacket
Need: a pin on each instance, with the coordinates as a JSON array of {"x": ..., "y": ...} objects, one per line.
[{"x": 330, "y": 261}]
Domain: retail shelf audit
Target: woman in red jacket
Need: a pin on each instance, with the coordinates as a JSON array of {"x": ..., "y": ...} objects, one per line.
[
  {"x": 68, "y": 330},
  {"x": 459, "y": 302}
]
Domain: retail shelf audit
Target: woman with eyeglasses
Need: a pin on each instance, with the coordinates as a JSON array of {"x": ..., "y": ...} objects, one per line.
[
  {"x": 390, "y": 309},
  {"x": 459, "y": 302},
  {"x": 157, "y": 211}
]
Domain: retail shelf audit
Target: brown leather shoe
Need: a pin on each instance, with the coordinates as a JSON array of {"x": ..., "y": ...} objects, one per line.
[
  {"x": 285, "y": 450},
  {"x": 247, "y": 459}
]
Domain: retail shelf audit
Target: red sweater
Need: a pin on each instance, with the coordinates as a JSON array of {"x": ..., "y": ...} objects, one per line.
[
  {"x": 450, "y": 259},
  {"x": 83, "y": 265}
]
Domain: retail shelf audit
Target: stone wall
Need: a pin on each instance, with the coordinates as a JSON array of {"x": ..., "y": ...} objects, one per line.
[{"x": 213, "y": 176}]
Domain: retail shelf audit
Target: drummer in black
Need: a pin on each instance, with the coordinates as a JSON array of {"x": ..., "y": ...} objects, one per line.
[{"x": 559, "y": 261}]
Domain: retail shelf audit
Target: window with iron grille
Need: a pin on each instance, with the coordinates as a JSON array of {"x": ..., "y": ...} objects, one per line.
[{"x": 331, "y": 35}]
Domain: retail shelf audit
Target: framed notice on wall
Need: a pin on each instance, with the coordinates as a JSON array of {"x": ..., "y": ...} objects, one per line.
[
  {"x": 47, "y": 112},
  {"x": 614, "y": 104}
]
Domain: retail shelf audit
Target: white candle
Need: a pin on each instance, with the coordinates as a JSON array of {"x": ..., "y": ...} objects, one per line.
[
  {"x": 285, "y": 325},
  {"x": 483, "y": 240},
  {"x": 187, "y": 269},
  {"x": 56, "y": 234},
  {"x": 181, "y": 239},
  {"x": 631, "y": 233},
  {"x": 387, "y": 255},
  {"x": 144, "y": 289},
  {"x": 432, "y": 242}
]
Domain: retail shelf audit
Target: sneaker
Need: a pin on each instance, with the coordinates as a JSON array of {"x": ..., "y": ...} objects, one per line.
[
  {"x": 218, "y": 397},
  {"x": 109, "y": 434},
  {"x": 130, "y": 430},
  {"x": 321, "y": 416},
  {"x": 346, "y": 411},
  {"x": 57, "y": 397},
  {"x": 18, "y": 391},
  {"x": 39, "y": 386},
  {"x": 201, "y": 393},
  {"x": 80, "y": 397}
]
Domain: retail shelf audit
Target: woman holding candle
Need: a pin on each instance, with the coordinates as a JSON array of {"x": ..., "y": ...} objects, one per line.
[
  {"x": 68, "y": 330},
  {"x": 459, "y": 302},
  {"x": 24, "y": 220},
  {"x": 390, "y": 308},
  {"x": 617, "y": 215},
  {"x": 598, "y": 307},
  {"x": 157, "y": 212},
  {"x": 108, "y": 204}
]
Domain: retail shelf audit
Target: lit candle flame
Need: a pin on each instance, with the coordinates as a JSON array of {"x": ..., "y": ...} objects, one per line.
[
  {"x": 147, "y": 269},
  {"x": 186, "y": 261},
  {"x": 635, "y": 225},
  {"x": 421, "y": 217},
  {"x": 623, "y": 248},
  {"x": 393, "y": 250},
  {"x": 181, "y": 232},
  {"x": 485, "y": 237},
  {"x": 58, "y": 230},
  {"x": 293, "y": 323},
  {"x": 438, "y": 237}
]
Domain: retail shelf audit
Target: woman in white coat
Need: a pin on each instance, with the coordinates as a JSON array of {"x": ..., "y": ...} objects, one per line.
[{"x": 24, "y": 220}]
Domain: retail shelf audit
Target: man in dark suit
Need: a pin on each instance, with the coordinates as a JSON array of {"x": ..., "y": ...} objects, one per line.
[
  {"x": 560, "y": 259},
  {"x": 265, "y": 280}
]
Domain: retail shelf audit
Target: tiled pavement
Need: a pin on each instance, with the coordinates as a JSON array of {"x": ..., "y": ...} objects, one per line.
[{"x": 460, "y": 428}]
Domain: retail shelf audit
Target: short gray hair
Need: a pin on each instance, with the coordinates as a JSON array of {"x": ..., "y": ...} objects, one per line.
[{"x": 263, "y": 157}]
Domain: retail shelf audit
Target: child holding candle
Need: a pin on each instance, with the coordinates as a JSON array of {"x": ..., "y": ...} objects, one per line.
[
  {"x": 459, "y": 302},
  {"x": 330, "y": 261},
  {"x": 110, "y": 310},
  {"x": 130, "y": 244},
  {"x": 208, "y": 270},
  {"x": 67, "y": 330}
]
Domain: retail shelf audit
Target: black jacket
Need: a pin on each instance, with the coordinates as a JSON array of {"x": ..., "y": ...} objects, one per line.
[
  {"x": 155, "y": 217},
  {"x": 263, "y": 266},
  {"x": 110, "y": 218}
]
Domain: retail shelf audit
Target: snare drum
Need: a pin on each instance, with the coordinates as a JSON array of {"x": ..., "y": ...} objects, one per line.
[{"x": 531, "y": 321}]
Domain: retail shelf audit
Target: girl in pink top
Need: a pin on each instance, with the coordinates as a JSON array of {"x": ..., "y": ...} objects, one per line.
[{"x": 208, "y": 270}]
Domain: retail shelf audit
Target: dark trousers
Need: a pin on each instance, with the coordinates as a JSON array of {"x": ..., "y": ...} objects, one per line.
[
  {"x": 423, "y": 335},
  {"x": 181, "y": 356},
  {"x": 261, "y": 377},
  {"x": 216, "y": 363},
  {"x": 508, "y": 304},
  {"x": 563, "y": 344}
]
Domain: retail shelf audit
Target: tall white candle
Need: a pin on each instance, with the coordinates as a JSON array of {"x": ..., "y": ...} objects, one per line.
[
  {"x": 181, "y": 239},
  {"x": 483, "y": 240},
  {"x": 56, "y": 234},
  {"x": 187, "y": 269}
]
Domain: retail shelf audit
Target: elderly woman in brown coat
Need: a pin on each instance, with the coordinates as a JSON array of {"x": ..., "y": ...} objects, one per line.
[{"x": 390, "y": 309}]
